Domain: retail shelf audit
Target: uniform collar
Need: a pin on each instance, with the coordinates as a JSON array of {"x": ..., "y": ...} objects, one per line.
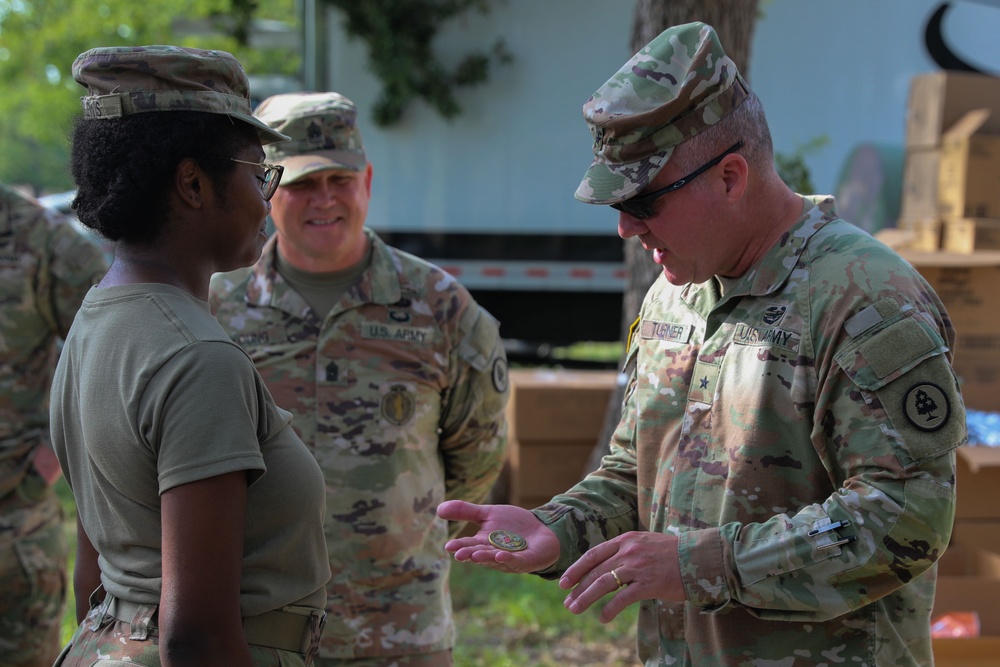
[
  {"x": 379, "y": 283},
  {"x": 774, "y": 269}
]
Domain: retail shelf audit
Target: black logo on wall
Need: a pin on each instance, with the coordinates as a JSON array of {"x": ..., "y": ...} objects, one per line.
[{"x": 939, "y": 50}]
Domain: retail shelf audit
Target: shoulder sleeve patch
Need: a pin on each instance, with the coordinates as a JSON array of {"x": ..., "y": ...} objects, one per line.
[
  {"x": 480, "y": 338},
  {"x": 905, "y": 367}
]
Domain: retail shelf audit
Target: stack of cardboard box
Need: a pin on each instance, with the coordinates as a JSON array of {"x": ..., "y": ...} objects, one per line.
[
  {"x": 950, "y": 213},
  {"x": 969, "y": 580},
  {"x": 952, "y": 166},
  {"x": 554, "y": 419}
]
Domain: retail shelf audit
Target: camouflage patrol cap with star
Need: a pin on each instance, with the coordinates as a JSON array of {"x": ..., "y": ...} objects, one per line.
[
  {"x": 676, "y": 86},
  {"x": 124, "y": 80},
  {"x": 323, "y": 130}
]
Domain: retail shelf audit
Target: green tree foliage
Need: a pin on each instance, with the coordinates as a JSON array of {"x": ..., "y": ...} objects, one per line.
[
  {"x": 399, "y": 35},
  {"x": 792, "y": 167},
  {"x": 39, "y": 39}
]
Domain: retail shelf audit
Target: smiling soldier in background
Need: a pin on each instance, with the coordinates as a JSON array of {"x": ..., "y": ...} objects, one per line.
[{"x": 396, "y": 377}]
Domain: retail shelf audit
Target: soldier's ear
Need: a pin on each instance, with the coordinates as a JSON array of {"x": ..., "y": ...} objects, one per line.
[
  {"x": 190, "y": 182},
  {"x": 735, "y": 173}
]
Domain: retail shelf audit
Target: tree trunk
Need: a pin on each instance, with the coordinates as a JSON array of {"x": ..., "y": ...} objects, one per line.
[{"x": 734, "y": 21}]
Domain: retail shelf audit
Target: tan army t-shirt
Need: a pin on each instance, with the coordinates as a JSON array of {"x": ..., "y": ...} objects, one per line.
[{"x": 150, "y": 394}]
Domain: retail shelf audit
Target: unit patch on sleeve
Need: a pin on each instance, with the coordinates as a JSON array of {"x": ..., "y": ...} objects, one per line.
[
  {"x": 926, "y": 406},
  {"x": 500, "y": 376}
]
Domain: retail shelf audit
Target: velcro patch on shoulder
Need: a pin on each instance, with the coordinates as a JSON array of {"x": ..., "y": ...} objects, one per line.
[
  {"x": 480, "y": 338},
  {"x": 897, "y": 345},
  {"x": 884, "y": 354}
]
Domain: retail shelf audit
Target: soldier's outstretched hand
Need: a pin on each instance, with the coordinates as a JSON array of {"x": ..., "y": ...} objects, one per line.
[{"x": 510, "y": 538}]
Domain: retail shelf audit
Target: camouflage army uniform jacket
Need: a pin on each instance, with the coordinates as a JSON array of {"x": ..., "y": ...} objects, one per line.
[
  {"x": 46, "y": 268},
  {"x": 400, "y": 393},
  {"x": 797, "y": 432}
]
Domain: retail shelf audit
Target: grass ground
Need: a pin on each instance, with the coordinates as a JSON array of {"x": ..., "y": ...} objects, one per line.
[{"x": 502, "y": 620}]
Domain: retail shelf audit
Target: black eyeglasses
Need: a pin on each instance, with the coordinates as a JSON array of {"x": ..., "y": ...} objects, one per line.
[
  {"x": 269, "y": 181},
  {"x": 641, "y": 206}
]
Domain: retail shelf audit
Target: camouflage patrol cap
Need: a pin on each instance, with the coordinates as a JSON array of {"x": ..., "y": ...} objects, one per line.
[
  {"x": 323, "y": 130},
  {"x": 676, "y": 86},
  {"x": 123, "y": 80}
]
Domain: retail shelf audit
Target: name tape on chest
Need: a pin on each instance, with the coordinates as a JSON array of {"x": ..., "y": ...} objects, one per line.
[
  {"x": 773, "y": 337},
  {"x": 396, "y": 333},
  {"x": 668, "y": 331},
  {"x": 269, "y": 336}
]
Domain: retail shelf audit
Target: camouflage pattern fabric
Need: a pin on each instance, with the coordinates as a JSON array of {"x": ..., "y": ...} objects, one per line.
[
  {"x": 796, "y": 431},
  {"x": 400, "y": 393},
  {"x": 123, "y": 80},
  {"x": 323, "y": 130},
  {"x": 102, "y": 639},
  {"x": 32, "y": 573},
  {"x": 46, "y": 268},
  {"x": 676, "y": 86}
]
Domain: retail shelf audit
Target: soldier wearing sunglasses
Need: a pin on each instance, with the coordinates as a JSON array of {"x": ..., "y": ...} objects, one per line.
[{"x": 780, "y": 484}]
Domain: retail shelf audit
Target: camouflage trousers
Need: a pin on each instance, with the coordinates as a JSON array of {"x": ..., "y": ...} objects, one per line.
[
  {"x": 115, "y": 643},
  {"x": 32, "y": 574},
  {"x": 436, "y": 659}
]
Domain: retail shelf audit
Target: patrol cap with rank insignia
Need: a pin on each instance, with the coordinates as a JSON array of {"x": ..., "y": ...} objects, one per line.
[
  {"x": 323, "y": 130},
  {"x": 679, "y": 84}
]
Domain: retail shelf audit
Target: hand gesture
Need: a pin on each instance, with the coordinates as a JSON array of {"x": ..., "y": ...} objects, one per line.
[
  {"x": 638, "y": 565},
  {"x": 542, "y": 545}
]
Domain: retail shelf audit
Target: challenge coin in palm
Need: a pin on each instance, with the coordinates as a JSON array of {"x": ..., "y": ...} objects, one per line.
[{"x": 508, "y": 541}]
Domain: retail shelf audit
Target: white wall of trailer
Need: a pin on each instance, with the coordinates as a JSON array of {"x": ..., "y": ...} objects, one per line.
[{"x": 834, "y": 68}]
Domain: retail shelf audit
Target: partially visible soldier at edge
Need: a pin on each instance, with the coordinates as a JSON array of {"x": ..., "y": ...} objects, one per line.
[
  {"x": 397, "y": 380},
  {"x": 782, "y": 480},
  {"x": 46, "y": 268}
]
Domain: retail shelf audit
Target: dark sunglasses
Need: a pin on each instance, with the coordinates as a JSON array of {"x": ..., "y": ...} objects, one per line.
[
  {"x": 269, "y": 181},
  {"x": 640, "y": 207}
]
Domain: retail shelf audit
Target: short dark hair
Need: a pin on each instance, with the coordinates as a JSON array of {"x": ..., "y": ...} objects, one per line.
[
  {"x": 746, "y": 123},
  {"x": 124, "y": 167}
]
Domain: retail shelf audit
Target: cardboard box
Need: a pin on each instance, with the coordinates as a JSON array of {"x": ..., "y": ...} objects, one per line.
[
  {"x": 969, "y": 580},
  {"x": 977, "y": 483},
  {"x": 979, "y": 372},
  {"x": 540, "y": 469},
  {"x": 558, "y": 405},
  {"x": 977, "y": 533},
  {"x": 938, "y": 99},
  {"x": 969, "y": 173},
  {"x": 918, "y": 237},
  {"x": 554, "y": 419},
  {"x": 964, "y": 235},
  {"x": 980, "y": 652},
  {"x": 919, "y": 197},
  {"x": 969, "y": 287}
]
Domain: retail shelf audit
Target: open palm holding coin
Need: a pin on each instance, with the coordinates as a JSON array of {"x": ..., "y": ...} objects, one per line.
[{"x": 510, "y": 538}]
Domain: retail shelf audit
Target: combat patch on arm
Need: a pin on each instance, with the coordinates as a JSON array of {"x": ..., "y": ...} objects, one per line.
[
  {"x": 901, "y": 360},
  {"x": 481, "y": 346}
]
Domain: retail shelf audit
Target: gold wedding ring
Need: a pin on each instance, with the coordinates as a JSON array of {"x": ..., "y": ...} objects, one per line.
[
  {"x": 614, "y": 574},
  {"x": 508, "y": 541}
]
